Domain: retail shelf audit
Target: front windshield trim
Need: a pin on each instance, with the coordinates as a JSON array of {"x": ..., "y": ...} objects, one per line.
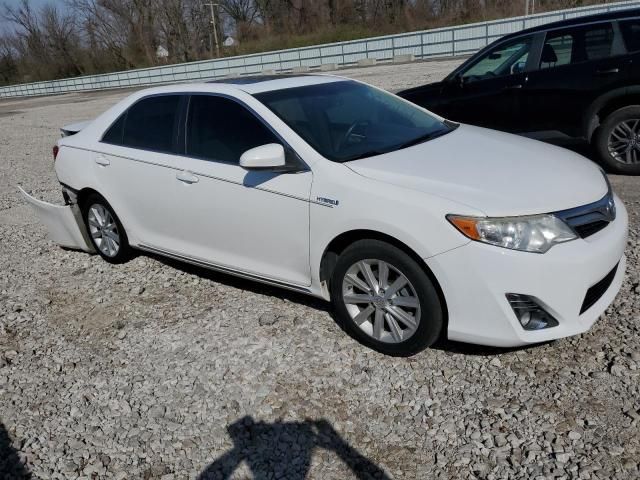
[
  {"x": 347, "y": 120},
  {"x": 418, "y": 141}
]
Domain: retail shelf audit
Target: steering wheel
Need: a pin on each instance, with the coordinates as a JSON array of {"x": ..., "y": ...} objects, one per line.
[{"x": 350, "y": 132}]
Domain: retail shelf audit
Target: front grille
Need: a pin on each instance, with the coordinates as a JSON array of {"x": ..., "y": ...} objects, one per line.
[
  {"x": 590, "y": 219},
  {"x": 596, "y": 292},
  {"x": 588, "y": 229}
]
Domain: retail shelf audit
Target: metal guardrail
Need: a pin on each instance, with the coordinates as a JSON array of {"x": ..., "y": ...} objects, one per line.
[{"x": 440, "y": 42}]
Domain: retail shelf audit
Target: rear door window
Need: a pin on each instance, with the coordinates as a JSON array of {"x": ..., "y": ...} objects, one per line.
[
  {"x": 150, "y": 124},
  {"x": 631, "y": 34},
  {"x": 221, "y": 129},
  {"x": 575, "y": 45}
]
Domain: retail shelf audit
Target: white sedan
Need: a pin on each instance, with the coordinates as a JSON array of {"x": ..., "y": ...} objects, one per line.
[{"x": 413, "y": 226}]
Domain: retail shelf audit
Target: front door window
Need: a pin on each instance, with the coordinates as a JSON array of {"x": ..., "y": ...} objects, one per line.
[{"x": 507, "y": 59}]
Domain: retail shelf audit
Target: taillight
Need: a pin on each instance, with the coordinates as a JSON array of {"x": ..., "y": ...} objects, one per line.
[{"x": 56, "y": 149}]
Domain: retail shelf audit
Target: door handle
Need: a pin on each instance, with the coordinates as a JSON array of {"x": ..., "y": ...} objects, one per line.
[
  {"x": 102, "y": 161},
  {"x": 187, "y": 177},
  {"x": 611, "y": 71},
  {"x": 514, "y": 87}
]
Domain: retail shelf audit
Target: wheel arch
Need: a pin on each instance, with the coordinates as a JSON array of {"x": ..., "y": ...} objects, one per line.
[
  {"x": 606, "y": 104},
  {"x": 343, "y": 240},
  {"x": 85, "y": 193}
]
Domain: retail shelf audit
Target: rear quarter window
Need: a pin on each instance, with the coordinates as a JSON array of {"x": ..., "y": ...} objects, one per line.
[
  {"x": 149, "y": 124},
  {"x": 631, "y": 34}
]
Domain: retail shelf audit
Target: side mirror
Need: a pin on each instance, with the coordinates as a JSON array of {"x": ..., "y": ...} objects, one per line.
[
  {"x": 265, "y": 157},
  {"x": 518, "y": 67}
]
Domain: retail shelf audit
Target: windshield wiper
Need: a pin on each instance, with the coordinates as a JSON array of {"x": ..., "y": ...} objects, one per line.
[
  {"x": 371, "y": 153},
  {"x": 423, "y": 138}
]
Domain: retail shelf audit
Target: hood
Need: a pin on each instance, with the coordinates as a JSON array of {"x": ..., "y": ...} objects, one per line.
[{"x": 497, "y": 173}]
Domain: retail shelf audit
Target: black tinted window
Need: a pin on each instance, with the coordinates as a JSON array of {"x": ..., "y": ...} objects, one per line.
[
  {"x": 221, "y": 129},
  {"x": 114, "y": 134},
  {"x": 575, "y": 45},
  {"x": 598, "y": 42},
  {"x": 631, "y": 33},
  {"x": 345, "y": 120},
  {"x": 150, "y": 124}
]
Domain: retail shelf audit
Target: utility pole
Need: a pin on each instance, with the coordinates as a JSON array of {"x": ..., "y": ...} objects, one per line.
[
  {"x": 526, "y": 8},
  {"x": 213, "y": 23}
]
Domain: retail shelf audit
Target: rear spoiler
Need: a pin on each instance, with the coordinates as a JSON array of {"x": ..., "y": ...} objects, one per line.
[{"x": 74, "y": 128}]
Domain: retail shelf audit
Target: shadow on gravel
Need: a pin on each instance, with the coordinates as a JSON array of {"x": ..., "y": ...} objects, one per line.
[
  {"x": 243, "y": 284},
  {"x": 460, "y": 348},
  {"x": 316, "y": 303},
  {"x": 284, "y": 450},
  {"x": 11, "y": 468}
]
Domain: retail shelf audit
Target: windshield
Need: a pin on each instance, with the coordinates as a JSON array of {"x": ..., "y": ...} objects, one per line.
[{"x": 348, "y": 120}]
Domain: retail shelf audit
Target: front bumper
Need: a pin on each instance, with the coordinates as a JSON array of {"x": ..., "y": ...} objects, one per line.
[
  {"x": 475, "y": 279},
  {"x": 64, "y": 223}
]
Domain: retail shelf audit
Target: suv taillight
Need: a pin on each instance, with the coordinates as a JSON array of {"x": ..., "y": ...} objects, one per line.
[{"x": 56, "y": 149}]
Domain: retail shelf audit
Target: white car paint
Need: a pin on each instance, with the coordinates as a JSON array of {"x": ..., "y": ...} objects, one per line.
[
  {"x": 277, "y": 227},
  {"x": 61, "y": 222}
]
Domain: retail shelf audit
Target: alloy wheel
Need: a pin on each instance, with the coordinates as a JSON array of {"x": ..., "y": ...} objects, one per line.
[
  {"x": 624, "y": 142},
  {"x": 381, "y": 301},
  {"x": 104, "y": 230}
]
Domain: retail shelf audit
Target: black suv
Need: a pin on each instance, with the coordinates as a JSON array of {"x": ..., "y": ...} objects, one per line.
[{"x": 578, "y": 78}]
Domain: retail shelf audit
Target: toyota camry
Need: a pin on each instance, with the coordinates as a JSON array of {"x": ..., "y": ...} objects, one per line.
[{"x": 414, "y": 227}]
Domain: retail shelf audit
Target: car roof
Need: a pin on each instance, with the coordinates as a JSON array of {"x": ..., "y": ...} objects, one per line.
[
  {"x": 251, "y": 84},
  {"x": 254, "y": 84},
  {"x": 599, "y": 17}
]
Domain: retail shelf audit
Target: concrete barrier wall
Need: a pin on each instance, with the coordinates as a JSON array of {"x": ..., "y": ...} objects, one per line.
[{"x": 441, "y": 42}]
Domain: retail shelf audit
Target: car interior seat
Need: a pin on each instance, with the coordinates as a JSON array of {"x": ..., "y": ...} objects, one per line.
[{"x": 549, "y": 56}]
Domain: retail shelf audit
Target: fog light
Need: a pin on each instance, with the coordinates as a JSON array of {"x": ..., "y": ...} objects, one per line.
[{"x": 529, "y": 312}]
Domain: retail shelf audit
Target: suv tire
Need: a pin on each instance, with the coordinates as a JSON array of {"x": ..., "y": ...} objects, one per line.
[{"x": 619, "y": 131}]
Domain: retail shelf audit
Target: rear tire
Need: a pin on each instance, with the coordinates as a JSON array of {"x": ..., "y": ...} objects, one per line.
[
  {"x": 105, "y": 230},
  {"x": 618, "y": 141},
  {"x": 385, "y": 299}
]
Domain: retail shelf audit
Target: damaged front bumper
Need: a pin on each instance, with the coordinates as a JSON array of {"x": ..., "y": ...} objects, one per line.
[{"x": 64, "y": 222}]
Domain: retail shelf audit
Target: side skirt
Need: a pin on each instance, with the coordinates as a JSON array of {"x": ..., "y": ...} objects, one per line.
[{"x": 222, "y": 269}]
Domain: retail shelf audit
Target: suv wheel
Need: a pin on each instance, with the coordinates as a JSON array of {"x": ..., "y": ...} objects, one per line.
[
  {"x": 385, "y": 299},
  {"x": 618, "y": 141},
  {"x": 105, "y": 230}
]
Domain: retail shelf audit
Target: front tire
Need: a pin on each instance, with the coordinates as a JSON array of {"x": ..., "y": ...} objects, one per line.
[
  {"x": 618, "y": 141},
  {"x": 105, "y": 230},
  {"x": 385, "y": 299}
]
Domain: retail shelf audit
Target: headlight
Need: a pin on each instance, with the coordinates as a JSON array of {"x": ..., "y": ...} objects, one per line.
[{"x": 536, "y": 233}]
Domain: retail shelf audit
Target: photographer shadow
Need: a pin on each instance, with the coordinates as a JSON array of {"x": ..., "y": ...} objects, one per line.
[
  {"x": 11, "y": 466},
  {"x": 284, "y": 450}
]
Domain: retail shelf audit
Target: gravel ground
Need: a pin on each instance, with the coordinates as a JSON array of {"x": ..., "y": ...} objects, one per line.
[{"x": 159, "y": 370}]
